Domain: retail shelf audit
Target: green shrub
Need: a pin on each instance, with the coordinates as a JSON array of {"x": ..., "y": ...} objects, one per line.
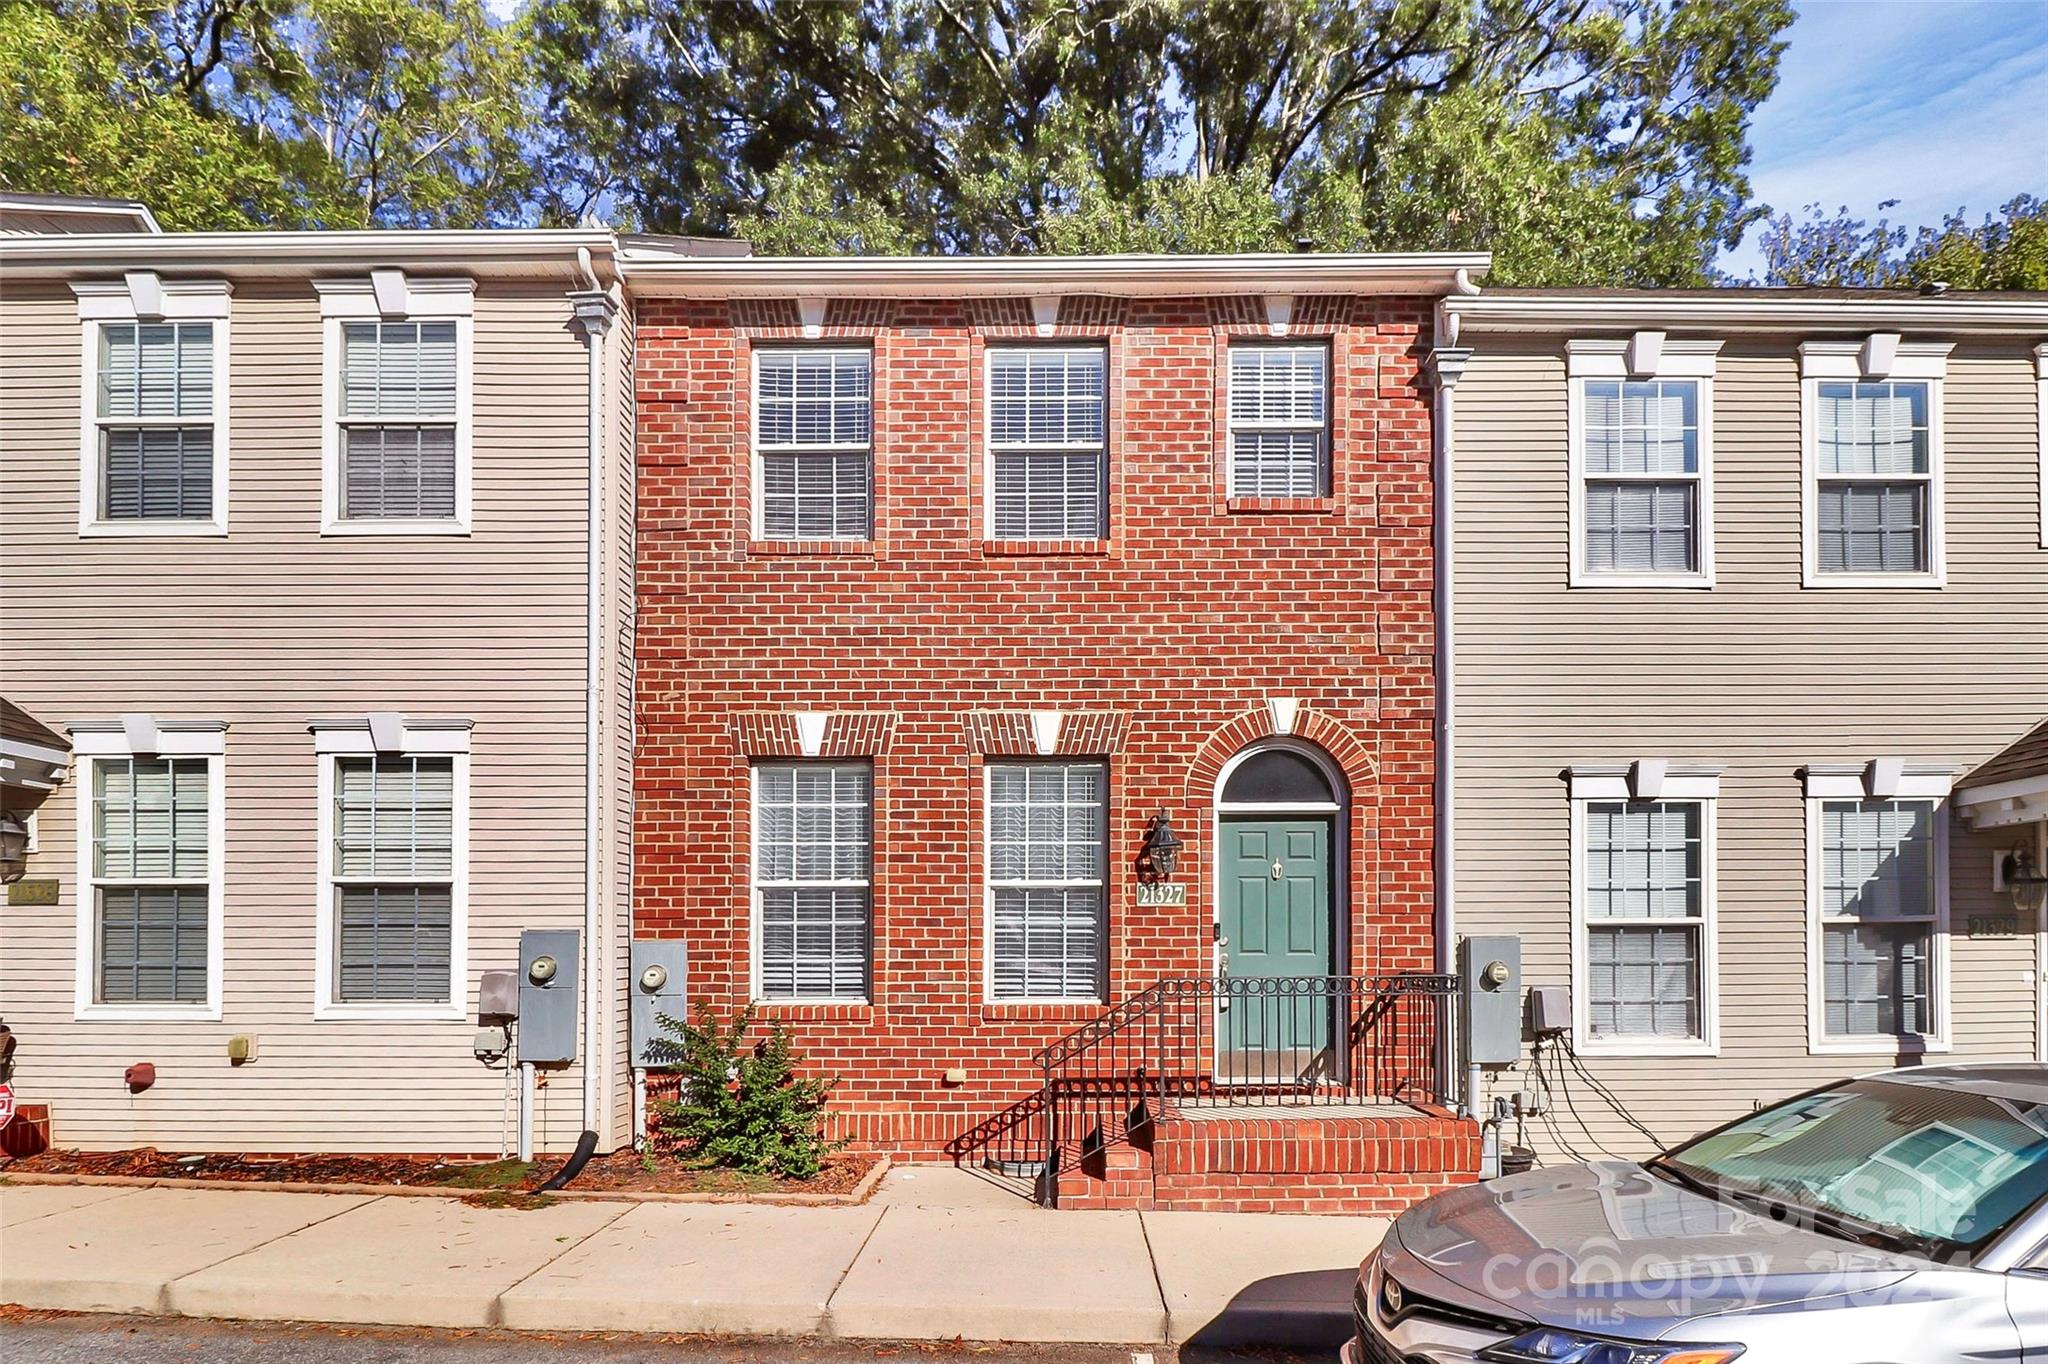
[{"x": 741, "y": 1106}]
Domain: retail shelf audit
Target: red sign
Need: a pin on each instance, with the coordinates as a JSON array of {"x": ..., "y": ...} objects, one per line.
[{"x": 6, "y": 1104}]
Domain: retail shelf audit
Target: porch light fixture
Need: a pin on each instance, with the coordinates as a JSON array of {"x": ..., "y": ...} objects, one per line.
[
  {"x": 13, "y": 848},
  {"x": 1161, "y": 850},
  {"x": 2024, "y": 881}
]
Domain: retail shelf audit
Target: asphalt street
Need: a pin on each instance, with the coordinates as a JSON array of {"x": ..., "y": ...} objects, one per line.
[{"x": 50, "y": 1338}]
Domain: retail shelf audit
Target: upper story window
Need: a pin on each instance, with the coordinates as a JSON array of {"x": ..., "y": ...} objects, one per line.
[
  {"x": 1048, "y": 424},
  {"x": 814, "y": 438},
  {"x": 1641, "y": 467},
  {"x": 1279, "y": 420},
  {"x": 1873, "y": 462},
  {"x": 398, "y": 421},
  {"x": 813, "y": 858},
  {"x": 154, "y": 457}
]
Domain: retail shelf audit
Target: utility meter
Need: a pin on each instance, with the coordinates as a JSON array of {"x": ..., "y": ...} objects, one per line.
[
  {"x": 660, "y": 976},
  {"x": 549, "y": 1016}
]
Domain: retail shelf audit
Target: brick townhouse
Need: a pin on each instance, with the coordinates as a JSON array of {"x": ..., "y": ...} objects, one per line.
[{"x": 968, "y": 588}]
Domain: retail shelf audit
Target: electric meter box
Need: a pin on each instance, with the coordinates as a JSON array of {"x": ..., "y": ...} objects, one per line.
[
  {"x": 659, "y": 969},
  {"x": 1490, "y": 999},
  {"x": 549, "y": 1019}
]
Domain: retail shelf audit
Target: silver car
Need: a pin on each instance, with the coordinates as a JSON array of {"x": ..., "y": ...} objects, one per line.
[{"x": 1899, "y": 1218}]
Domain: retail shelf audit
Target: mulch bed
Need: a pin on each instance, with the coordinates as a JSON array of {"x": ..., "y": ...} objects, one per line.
[{"x": 620, "y": 1171}]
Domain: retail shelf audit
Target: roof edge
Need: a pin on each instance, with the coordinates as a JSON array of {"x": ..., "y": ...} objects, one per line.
[{"x": 1974, "y": 313}]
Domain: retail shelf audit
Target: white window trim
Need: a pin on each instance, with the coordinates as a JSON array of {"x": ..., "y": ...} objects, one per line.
[
  {"x": 988, "y": 883},
  {"x": 754, "y": 992},
  {"x": 989, "y": 447},
  {"x": 143, "y": 297},
  {"x": 757, "y": 515},
  {"x": 1611, "y": 359},
  {"x": 1910, "y": 362},
  {"x": 423, "y": 300},
  {"x": 93, "y": 741},
  {"x": 358, "y": 736},
  {"x": 1675, "y": 784},
  {"x": 1916, "y": 782},
  {"x": 2041, "y": 432},
  {"x": 1326, "y": 428}
]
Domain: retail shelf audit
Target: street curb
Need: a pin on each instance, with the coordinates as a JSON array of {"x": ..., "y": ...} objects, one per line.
[{"x": 853, "y": 1197}]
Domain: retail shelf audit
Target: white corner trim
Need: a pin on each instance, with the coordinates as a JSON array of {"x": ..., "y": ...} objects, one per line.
[
  {"x": 357, "y": 297},
  {"x": 417, "y": 735},
  {"x": 1896, "y": 778},
  {"x": 1901, "y": 360},
  {"x": 326, "y": 931},
  {"x": 810, "y": 731},
  {"x": 148, "y": 736},
  {"x": 1279, "y": 313},
  {"x": 810, "y": 312},
  {"x": 1045, "y": 313},
  {"x": 2041, "y": 434},
  {"x": 173, "y": 300},
  {"x": 1674, "y": 781},
  {"x": 1045, "y": 731},
  {"x": 1616, "y": 357},
  {"x": 1281, "y": 712},
  {"x": 106, "y": 742}
]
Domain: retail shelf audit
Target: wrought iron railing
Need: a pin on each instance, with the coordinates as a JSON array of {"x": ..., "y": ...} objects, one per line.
[{"x": 1224, "y": 1043}]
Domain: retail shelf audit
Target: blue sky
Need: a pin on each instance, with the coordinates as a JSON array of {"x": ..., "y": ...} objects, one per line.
[{"x": 1940, "y": 104}]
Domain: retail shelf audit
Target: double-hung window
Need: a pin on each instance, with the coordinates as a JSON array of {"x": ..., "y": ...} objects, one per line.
[
  {"x": 391, "y": 872},
  {"x": 155, "y": 438},
  {"x": 1641, "y": 465},
  {"x": 398, "y": 421},
  {"x": 814, "y": 434},
  {"x": 1878, "y": 875},
  {"x": 1873, "y": 462},
  {"x": 1048, "y": 425},
  {"x": 1279, "y": 420},
  {"x": 813, "y": 854},
  {"x": 1047, "y": 866},
  {"x": 150, "y": 864}
]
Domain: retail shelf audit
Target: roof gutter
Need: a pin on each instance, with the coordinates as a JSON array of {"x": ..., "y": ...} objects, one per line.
[
  {"x": 283, "y": 253},
  {"x": 649, "y": 270},
  {"x": 1747, "y": 312}
]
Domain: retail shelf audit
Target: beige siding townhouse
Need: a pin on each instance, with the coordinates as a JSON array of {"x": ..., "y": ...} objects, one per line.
[
  {"x": 316, "y": 571},
  {"x": 1749, "y": 628}
]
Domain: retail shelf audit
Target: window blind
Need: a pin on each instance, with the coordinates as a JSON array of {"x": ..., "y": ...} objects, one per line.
[
  {"x": 1874, "y": 457},
  {"x": 1047, "y": 862},
  {"x": 393, "y": 869},
  {"x": 1877, "y": 890},
  {"x": 1048, "y": 421},
  {"x": 813, "y": 424},
  {"x": 1279, "y": 421},
  {"x": 812, "y": 854},
  {"x": 398, "y": 419},
  {"x": 1641, "y": 463},
  {"x": 155, "y": 417},
  {"x": 1645, "y": 913},
  {"x": 150, "y": 866}
]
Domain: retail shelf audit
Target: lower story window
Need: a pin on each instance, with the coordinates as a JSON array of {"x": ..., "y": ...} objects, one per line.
[
  {"x": 1645, "y": 904},
  {"x": 152, "y": 879},
  {"x": 813, "y": 837},
  {"x": 1047, "y": 859},
  {"x": 1878, "y": 911},
  {"x": 393, "y": 872}
]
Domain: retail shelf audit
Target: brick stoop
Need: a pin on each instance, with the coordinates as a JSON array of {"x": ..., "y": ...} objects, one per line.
[{"x": 1300, "y": 1161}]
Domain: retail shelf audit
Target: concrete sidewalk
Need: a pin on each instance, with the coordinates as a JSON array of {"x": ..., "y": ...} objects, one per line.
[{"x": 937, "y": 1254}]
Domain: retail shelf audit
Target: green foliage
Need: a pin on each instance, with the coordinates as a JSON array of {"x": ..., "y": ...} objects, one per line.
[
  {"x": 742, "y": 1105},
  {"x": 2006, "y": 251}
]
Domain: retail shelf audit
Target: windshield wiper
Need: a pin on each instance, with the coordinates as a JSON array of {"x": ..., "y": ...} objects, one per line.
[{"x": 1839, "y": 1225}]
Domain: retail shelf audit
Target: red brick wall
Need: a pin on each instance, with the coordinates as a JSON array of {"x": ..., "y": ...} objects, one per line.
[{"x": 1177, "y": 627}]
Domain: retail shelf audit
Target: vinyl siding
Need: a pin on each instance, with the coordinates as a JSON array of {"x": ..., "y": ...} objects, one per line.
[
  {"x": 265, "y": 629},
  {"x": 1757, "y": 674}
]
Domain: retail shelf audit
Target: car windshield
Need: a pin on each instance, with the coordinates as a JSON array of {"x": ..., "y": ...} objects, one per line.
[{"x": 1925, "y": 1167}]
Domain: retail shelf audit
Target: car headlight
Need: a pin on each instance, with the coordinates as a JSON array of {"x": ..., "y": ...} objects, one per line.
[{"x": 1547, "y": 1346}]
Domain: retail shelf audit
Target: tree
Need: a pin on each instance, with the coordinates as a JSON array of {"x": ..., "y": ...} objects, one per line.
[
  {"x": 1580, "y": 139},
  {"x": 271, "y": 113},
  {"x": 2007, "y": 251}
]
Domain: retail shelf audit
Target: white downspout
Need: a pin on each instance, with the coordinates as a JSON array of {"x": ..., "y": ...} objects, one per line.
[
  {"x": 1447, "y": 363},
  {"x": 594, "y": 309}
]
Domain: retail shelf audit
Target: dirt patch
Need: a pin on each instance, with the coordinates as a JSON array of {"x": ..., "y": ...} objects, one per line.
[{"x": 621, "y": 1171}]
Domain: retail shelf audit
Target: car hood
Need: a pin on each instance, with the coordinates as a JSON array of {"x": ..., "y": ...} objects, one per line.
[{"x": 1612, "y": 1247}]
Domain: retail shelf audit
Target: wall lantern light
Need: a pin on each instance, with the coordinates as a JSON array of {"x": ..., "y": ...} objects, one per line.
[
  {"x": 2024, "y": 880},
  {"x": 13, "y": 848},
  {"x": 1161, "y": 850}
]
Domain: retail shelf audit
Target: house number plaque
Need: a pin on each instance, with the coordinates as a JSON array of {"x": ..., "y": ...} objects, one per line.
[
  {"x": 41, "y": 891},
  {"x": 1161, "y": 895},
  {"x": 1994, "y": 925}
]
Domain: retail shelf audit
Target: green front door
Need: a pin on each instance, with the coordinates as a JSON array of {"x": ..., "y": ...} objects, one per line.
[{"x": 1278, "y": 920}]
